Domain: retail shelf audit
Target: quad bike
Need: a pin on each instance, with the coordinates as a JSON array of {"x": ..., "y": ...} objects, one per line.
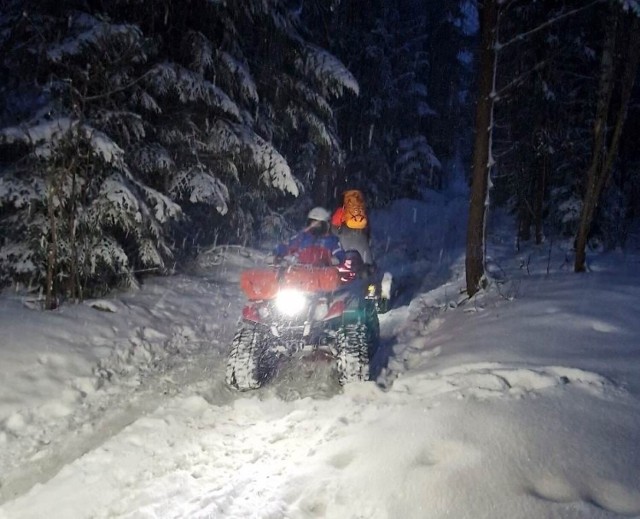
[{"x": 295, "y": 310}]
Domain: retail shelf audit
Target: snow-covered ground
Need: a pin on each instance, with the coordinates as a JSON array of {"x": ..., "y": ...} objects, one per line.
[{"x": 521, "y": 403}]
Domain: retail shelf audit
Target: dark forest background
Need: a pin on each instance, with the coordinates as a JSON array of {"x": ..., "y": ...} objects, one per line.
[{"x": 133, "y": 133}]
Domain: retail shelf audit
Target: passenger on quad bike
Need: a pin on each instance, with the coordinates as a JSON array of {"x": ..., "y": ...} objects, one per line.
[
  {"x": 311, "y": 300},
  {"x": 350, "y": 224}
]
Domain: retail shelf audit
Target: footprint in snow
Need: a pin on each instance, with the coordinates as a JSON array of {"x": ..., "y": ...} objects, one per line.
[
  {"x": 490, "y": 380},
  {"x": 602, "y": 493}
]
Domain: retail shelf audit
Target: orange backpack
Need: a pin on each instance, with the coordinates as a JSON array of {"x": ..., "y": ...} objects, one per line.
[{"x": 355, "y": 215}]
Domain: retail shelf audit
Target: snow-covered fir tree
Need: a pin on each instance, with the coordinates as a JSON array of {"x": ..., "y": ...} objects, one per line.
[{"x": 120, "y": 119}]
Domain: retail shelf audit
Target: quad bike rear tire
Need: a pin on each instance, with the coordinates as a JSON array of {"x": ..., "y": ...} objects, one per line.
[
  {"x": 352, "y": 342},
  {"x": 245, "y": 357}
]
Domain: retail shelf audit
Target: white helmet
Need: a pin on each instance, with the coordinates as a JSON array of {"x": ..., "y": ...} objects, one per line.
[{"x": 320, "y": 214}]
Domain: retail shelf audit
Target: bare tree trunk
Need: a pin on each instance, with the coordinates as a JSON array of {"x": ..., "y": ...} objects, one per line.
[
  {"x": 50, "y": 299},
  {"x": 604, "y": 155},
  {"x": 632, "y": 56},
  {"x": 538, "y": 208},
  {"x": 524, "y": 221},
  {"x": 605, "y": 91},
  {"x": 74, "y": 287},
  {"x": 323, "y": 179},
  {"x": 475, "y": 253}
]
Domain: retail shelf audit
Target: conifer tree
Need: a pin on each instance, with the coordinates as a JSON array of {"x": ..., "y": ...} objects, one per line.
[{"x": 121, "y": 119}]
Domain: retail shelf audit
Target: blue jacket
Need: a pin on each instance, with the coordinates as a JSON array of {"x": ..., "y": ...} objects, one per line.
[{"x": 311, "y": 249}]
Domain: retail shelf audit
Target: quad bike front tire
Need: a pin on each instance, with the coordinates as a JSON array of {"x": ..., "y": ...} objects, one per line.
[
  {"x": 352, "y": 342},
  {"x": 245, "y": 356}
]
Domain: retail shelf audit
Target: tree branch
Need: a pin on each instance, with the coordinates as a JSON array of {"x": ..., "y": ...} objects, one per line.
[
  {"x": 548, "y": 23},
  {"x": 117, "y": 90},
  {"x": 518, "y": 80}
]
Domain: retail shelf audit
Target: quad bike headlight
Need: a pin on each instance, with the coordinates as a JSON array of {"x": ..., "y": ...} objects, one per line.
[{"x": 290, "y": 302}]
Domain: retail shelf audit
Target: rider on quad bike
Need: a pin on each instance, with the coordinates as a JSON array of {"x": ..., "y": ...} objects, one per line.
[
  {"x": 311, "y": 299},
  {"x": 314, "y": 245}
]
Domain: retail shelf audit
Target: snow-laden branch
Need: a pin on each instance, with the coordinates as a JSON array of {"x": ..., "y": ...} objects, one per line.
[
  {"x": 45, "y": 136},
  {"x": 199, "y": 185},
  {"x": 76, "y": 44},
  {"x": 329, "y": 70}
]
